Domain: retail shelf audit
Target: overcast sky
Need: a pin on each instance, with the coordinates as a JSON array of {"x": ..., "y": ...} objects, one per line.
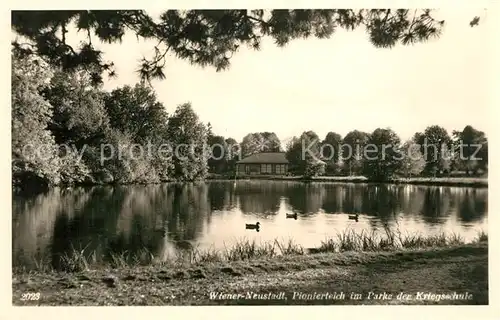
[{"x": 338, "y": 84}]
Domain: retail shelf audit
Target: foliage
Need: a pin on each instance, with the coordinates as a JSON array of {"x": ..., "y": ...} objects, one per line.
[
  {"x": 471, "y": 149},
  {"x": 314, "y": 168},
  {"x": 304, "y": 156},
  {"x": 31, "y": 114},
  {"x": 260, "y": 142},
  {"x": 434, "y": 143},
  {"x": 89, "y": 135},
  {"x": 219, "y": 154},
  {"x": 331, "y": 151},
  {"x": 413, "y": 162},
  {"x": 204, "y": 37},
  {"x": 188, "y": 137},
  {"x": 79, "y": 116},
  {"x": 382, "y": 155},
  {"x": 223, "y": 154},
  {"x": 137, "y": 111},
  {"x": 352, "y": 151}
]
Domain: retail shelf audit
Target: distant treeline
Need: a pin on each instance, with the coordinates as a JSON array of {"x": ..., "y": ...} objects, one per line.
[
  {"x": 67, "y": 120},
  {"x": 381, "y": 155}
]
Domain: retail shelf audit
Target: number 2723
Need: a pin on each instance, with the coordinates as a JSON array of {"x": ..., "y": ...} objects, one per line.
[{"x": 30, "y": 296}]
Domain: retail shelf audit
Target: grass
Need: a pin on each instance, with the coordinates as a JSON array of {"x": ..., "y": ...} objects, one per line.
[
  {"x": 77, "y": 260},
  {"x": 364, "y": 241},
  {"x": 440, "y": 270}
]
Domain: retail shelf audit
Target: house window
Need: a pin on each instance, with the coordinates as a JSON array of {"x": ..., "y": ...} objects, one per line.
[
  {"x": 266, "y": 168},
  {"x": 281, "y": 169}
]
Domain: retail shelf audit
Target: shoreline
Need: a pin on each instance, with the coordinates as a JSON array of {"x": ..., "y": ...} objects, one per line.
[
  {"x": 461, "y": 270},
  {"x": 439, "y": 181}
]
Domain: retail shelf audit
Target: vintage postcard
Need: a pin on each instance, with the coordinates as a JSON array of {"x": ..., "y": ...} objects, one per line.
[{"x": 216, "y": 157}]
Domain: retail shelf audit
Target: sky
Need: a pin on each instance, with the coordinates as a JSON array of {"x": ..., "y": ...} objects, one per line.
[{"x": 338, "y": 84}]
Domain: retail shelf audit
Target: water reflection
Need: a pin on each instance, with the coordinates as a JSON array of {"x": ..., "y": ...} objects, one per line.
[
  {"x": 160, "y": 218},
  {"x": 259, "y": 199}
]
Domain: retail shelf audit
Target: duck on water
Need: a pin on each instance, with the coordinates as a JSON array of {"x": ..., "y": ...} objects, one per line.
[
  {"x": 354, "y": 217},
  {"x": 291, "y": 215},
  {"x": 255, "y": 226}
]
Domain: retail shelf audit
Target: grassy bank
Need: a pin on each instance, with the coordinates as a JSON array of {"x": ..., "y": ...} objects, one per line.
[
  {"x": 351, "y": 262},
  {"x": 438, "y": 181},
  {"x": 80, "y": 259},
  {"x": 425, "y": 276}
]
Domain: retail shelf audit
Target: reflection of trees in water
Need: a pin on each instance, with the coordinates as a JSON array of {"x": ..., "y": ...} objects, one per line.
[
  {"x": 473, "y": 205},
  {"x": 113, "y": 219},
  {"x": 380, "y": 201},
  {"x": 411, "y": 199},
  {"x": 260, "y": 197},
  {"x": 306, "y": 198},
  {"x": 373, "y": 200},
  {"x": 190, "y": 206},
  {"x": 296, "y": 195},
  {"x": 353, "y": 198},
  {"x": 141, "y": 220},
  {"x": 118, "y": 219},
  {"x": 89, "y": 229},
  {"x": 33, "y": 220},
  {"x": 334, "y": 199},
  {"x": 436, "y": 204},
  {"x": 221, "y": 196},
  {"x": 314, "y": 196}
]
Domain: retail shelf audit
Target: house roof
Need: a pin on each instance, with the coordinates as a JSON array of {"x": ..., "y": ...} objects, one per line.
[{"x": 265, "y": 157}]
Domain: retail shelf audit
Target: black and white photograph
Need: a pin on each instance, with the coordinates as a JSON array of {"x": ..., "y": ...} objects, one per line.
[{"x": 229, "y": 157}]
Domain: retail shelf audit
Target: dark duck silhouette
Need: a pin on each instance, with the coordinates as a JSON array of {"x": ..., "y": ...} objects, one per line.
[
  {"x": 291, "y": 215},
  {"x": 255, "y": 226},
  {"x": 354, "y": 217}
]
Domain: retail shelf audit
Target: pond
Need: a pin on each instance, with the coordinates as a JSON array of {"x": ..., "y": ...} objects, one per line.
[{"x": 214, "y": 214}]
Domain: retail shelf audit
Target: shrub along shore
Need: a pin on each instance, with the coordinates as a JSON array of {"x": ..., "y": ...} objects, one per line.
[
  {"x": 439, "y": 269},
  {"x": 439, "y": 181}
]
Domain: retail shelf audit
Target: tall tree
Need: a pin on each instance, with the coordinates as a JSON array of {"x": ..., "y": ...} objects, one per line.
[
  {"x": 252, "y": 143},
  {"x": 78, "y": 116},
  {"x": 188, "y": 137},
  {"x": 470, "y": 146},
  {"x": 271, "y": 141},
  {"x": 413, "y": 162},
  {"x": 219, "y": 154},
  {"x": 352, "y": 151},
  {"x": 330, "y": 148},
  {"x": 382, "y": 155},
  {"x": 304, "y": 156},
  {"x": 205, "y": 37},
  {"x": 260, "y": 142},
  {"x": 137, "y": 111},
  {"x": 34, "y": 151},
  {"x": 434, "y": 143},
  {"x": 234, "y": 154}
]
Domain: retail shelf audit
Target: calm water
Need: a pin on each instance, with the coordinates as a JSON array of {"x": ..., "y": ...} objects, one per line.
[{"x": 214, "y": 215}]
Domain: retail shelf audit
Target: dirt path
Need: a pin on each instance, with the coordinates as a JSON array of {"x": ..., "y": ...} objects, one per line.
[{"x": 423, "y": 277}]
